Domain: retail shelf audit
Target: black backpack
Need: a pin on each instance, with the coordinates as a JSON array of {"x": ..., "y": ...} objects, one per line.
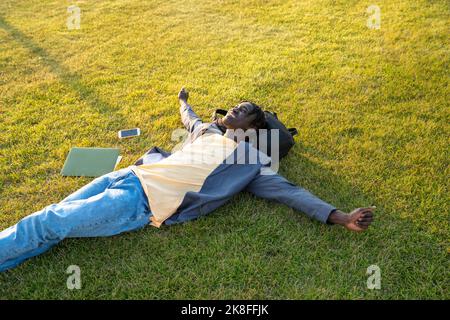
[{"x": 272, "y": 122}]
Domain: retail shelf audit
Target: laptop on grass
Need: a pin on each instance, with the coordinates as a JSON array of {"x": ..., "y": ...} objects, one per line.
[{"x": 90, "y": 162}]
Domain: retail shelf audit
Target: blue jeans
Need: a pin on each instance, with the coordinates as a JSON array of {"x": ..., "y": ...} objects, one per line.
[{"x": 109, "y": 205}]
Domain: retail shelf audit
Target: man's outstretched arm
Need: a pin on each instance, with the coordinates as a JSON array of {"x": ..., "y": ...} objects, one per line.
[
  {"x": 277, "y": 188},
  {"x": 189, "y": 118}
]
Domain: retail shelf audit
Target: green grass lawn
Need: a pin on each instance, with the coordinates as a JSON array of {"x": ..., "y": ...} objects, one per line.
[{"x": 371, "y": 107}]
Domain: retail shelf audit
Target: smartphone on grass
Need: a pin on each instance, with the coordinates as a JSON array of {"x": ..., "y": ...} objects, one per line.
[{"x": 128, "y": 133}]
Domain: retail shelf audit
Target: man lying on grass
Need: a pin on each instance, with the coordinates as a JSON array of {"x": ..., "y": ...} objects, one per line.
[{"x": 171, "y": 188}]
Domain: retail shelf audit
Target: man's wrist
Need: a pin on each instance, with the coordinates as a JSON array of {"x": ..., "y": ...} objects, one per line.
[{"x": 338, "y": 217}]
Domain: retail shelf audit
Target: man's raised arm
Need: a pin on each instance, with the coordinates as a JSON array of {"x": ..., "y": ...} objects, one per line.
[
  {"x": 189, "y": 118},
  {"x": 277, "y": 188}
]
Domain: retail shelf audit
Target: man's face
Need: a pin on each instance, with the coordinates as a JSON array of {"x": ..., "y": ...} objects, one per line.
[{"x": 239, "y": 117}]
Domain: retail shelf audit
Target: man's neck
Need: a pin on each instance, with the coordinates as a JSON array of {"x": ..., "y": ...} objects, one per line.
[{"x": 220, "y": 124}]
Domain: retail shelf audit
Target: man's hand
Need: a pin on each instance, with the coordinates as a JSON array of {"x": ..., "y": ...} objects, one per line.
[
  {"x": 358, "y": 220},
  {"x": 183, "y": 95}
]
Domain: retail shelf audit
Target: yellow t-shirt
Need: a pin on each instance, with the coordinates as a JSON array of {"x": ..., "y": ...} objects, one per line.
[{"x": 166, "y": 182}]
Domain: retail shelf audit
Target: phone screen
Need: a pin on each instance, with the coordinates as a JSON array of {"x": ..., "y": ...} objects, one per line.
[{"x": 129, "y": 133}]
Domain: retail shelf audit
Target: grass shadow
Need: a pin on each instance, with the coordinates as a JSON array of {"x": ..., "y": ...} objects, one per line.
[{"x": 72, "y": 80}]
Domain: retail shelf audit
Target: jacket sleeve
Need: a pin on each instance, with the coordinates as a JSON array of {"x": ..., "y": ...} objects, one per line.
[
  {"x": 189, "y": 118},
  {"x": 277, "y": 188}
]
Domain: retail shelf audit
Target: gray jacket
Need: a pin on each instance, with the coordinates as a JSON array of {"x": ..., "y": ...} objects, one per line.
[{"x": 229, "y": 179}]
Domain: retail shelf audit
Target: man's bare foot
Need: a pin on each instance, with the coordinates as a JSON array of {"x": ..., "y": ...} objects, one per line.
[
  {"x": 358, "y": 220},
  {"x": 183, "y": 96}
]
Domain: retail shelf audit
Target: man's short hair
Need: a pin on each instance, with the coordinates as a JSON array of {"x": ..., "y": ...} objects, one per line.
[{"x": 260, "y": 121}]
